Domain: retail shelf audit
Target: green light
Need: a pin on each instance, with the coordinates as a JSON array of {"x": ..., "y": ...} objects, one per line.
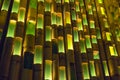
[
  {"x": 106, "y": 23},
  {"x": 30, "y": 27},
  {"x": 11, "y": 28},
  {"x": 82, "y": 46},
  {"x": 88, "y": 42},
  {"x": 92, "y": 68},
  {"x": 60, "y": 45},
  {"x": 108, "y": 36},
  {"x": 77, "y": 7},
  {"x": 59, "y": 19},
  {"x": 21, "y": 14},
  {"x": 17, "y": 46},
  {"x": 92, "y": 24},
  {"x": 94, "y": 40},
  {"x": 5, "y": 5},
  {"x": 33, "y": 4},
  {"x": 90, "y": 9},
  {"x": 58, "y": 1},
  {"x": 102, "y": 11},
  {"x": 105, "y": 68},
  {"x": 38, "y": 54},
  {"x": 40, "y": 0},
  {"x": 117, "y": 32},
  {"x": 53, "y": 18},
  {"x": 98, "y": 34},
  {"x": 79, "y": 24},
  {"x": 85, "y": 71},
  {"x": 75, "y": 32},
  {"x": 15, "y": 6},
  {"x": 48, "y": 33},
  {"x": 67, "y": 1},
  {"x": 62, "y": 74},
  {"x": 96, "y": 55},
  {"x": 48, "y": 70},
  {"x": 84, "y": 20},
  {"x": 72, "y": 1},
  {"x": 40, "y": 21},
  {"x": 69, "y": 42},
  {"x": 47, "y": 6},
  {"x": 81, "y": 2},
  {"x": 73, "y": 15}
]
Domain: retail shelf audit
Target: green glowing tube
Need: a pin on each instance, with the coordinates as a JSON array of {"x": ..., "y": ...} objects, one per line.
[
  {"x": 48, "y": 70},
  {"x": 73, "y": 15},
  {"x": 30, "y": 27},
  {"x": 21, "y": 14},
  {"x": 5, "y": 5},
  {"x": 77, "y": 7},
  {"x": 40, "y": 21},
  {"x": 41, "y": 0},
  {"x": 79, "y": 24},
  {"x": 62, "y": 73},
  {"x": 53, "y": 18},
  {"x": 82, "y": 46},
  {"x": 61, "y": 45},
  {"x": 92, "y": 24},
  {"x": 98, "y": 34},
  {"x": 47, "y": 6},
  {"x": 96, "y": 55},
  {"x": 38, "y": 54},
  {"x": 69, "y": 42},
  {"x": 85, "y": 71},
  {"x": 81, "y": 2},
  {"x": 59, "y": 19},
  {"x": 17, "y": 46},
  {"x": 92, "y": 68},
  {"x": 75, "y": 32},
  {"x": 105, "y": 68},
  {"x": 33, "y": 4},
  {"x": 11, "y": 28},
  {"x": 15, "y": 6},
  {"x": 108, "y": 36},
  {"x": 113, "y": 51},
  {"x": 88, "y": 42},
  {"x": 48, "y": 33},
  {"x": 85, "y": 22},
  {"x": 94, "y": 40}
]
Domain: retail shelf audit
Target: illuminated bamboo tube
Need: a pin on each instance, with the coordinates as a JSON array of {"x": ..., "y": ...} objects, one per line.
[
  {"x": 69, "y": 42},
  {"x": 61, "y": 48},
  {"x": 67, "y": 18},
  {"x": 48, "y": 70},
  {"x": 21, "y": 14},
  {"x": 15, "y": 6},
  {"x": 7, "y": 51},
  {"x": 29, "y": 37},
  {"x": 38, "y": 63},
  {"x": 62, "y": 73}
]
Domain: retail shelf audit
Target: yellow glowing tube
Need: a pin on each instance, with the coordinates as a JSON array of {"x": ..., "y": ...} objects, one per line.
[
  {"x": 67, "y": 1},
  {"x": 48, "y": 32},
  {"x": 113, "y": 51},
  {"x": 11, "y": 28},
  {"x": 15, "y": 6},
  {"x": 40, "y": 21},
  {"x": 108, "y": 36},
  {"x": 105, "y": 68},
  {"x": 38, "y": 54},
  {"x": 67, "y": 18},
  {"x": 85, "y": 71},
  {"x": 30, "y": 27},
  {"x": 61, "y": 45},
  {"x": 40, "y": 0},
  {"x": 59, "y": 19},
  {"x": 75, "y": 32},
  {"x": 102, "y": 10},
  {"x": 17, "y": 46},
  {"x": 21, "y": 14},
  {"x": 69, "y": 42},
  {"x": 48, "y": 70},
  {"x": 62, "y": 73},
  {"x": 100, "y": 1},
  {"x": 79, "y": 24},
  {"x": 92, "y": 68}
]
